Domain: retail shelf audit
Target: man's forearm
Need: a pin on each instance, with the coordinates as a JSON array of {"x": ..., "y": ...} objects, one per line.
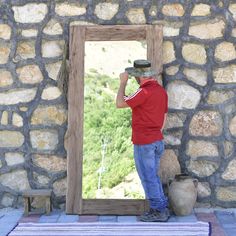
[
  {"x": 120, "y": 101},
  {"x": 164, "y": 122}
]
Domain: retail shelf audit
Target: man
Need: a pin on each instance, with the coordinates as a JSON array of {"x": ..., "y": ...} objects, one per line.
[{"x": 149, "y": 110}]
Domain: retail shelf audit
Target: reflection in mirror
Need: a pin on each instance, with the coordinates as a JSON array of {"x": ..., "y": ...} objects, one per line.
[{"x": 108, "y": 165}]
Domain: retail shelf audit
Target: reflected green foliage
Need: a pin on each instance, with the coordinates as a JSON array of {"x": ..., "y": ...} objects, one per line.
[{"x": 104, "y": 123}]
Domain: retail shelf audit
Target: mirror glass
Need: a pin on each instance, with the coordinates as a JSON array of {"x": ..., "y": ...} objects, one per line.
[{"x": 108, "y": 165}]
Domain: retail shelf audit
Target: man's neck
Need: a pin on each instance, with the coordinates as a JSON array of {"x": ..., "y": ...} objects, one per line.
[{"x": 143, "y": 81}]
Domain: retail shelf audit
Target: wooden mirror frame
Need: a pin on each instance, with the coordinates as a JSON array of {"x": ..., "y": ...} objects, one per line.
[{"x": 75, "y": 204}]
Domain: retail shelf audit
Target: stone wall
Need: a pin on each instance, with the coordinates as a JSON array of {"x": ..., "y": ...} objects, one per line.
[{"x": 199, "y": 75}]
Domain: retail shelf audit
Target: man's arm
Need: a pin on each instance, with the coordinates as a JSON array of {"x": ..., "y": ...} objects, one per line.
[
  {"x": 120, "y": 101},
  {"x": 164, "y": 122}
]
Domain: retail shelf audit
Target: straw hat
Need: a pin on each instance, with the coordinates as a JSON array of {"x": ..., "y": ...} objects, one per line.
[{"x": 141, "y": 68}]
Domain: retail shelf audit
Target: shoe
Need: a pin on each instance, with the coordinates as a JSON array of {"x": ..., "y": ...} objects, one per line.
[{"x": 156, "y": 216}]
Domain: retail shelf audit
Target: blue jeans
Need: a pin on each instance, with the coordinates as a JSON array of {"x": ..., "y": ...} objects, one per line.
[{"x": 147, "y": 162}]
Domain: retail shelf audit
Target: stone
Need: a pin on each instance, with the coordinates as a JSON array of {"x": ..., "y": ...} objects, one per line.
[
  {"x": 194, "y": 53},
  {"x": 228, "y": 149},
  {"x": 65, "y": 9},
  {"x": 14, "y": 158},
  {"x": 201, "y": 205},
  {"x": 53, "y": 27},
  {"x": 30, "y": 74},
  {"x": 206, "y": 123},
  {"x": 17, "y": 96},
  {"x": 232, "y": 9},
  {"x": 136, "y": 16},
  {"x": 225, "y": 51},
  {"x": 7, "y": 200},
  {"x": 202, "y": 168},
  {"x": 226, "y": 194},
  {"x": 198, "y": 148},
  {"x": 26, "y": 50},
  {"x": 169, "y": 166},
  {"x": 4, "y": 118},
  {"x": 29, "y": 33},
  {"x": 38, "y": 203},
  {"x": 171, "y": 140},
  {"x": 175, "y": 120},
  {"x": 203, "y": 189},
  {"x": 201, "y": 10},
  {"x": 52, "y": 48},
  {"x": 182, "y": 96},
  {"x": 199, "y": 77},
  {"x": 41, "y": 179},
  {"x": 233, "y": 32},
  {"x": 175, "y": 9},
  {"x": 51, "y": 93},
  {"x": 49, "y": 115},
  {"x": 23, "y": 108},
  {"x": 44, "y": 139},
  {"x": 5, "y": 31},
  {"x": 17, "y": 120},
  {"x": 9, "y": 180},
  {"x": 229, "y": 108},
  {"x": 172, "y": 70},
  {"x": 219, "y": 96},
  {"x": 230, "y": 171},
  {"x": 225, "y": 74},
  {"x": 220, "y": 4},
  {"x": 170, "y": 31},
  {"x": 76, "y": 22},
  {"x": 30, "y": 13},
  {"x": 4, "y": 52},
  {"x": 210, "y": 30},
  {"x": 59, "y": 187},
  {"x": 106, "y": 10},
  {"x": 153, "y": 11},
  {"x": 9, "y": 139},
  {"x": 50, "y": 162},
  {"x": 232, "y": 126},
  {"x": 53, "y": 69},
  {"x": 5, "y": 78},
  {"x": 168, "y": 52}
]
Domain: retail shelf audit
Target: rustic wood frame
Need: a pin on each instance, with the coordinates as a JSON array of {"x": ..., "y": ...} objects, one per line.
[{"x": 78, "y": 35}]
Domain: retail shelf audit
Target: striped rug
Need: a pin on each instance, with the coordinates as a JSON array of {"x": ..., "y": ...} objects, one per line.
[{"x": 113, "y": 229}]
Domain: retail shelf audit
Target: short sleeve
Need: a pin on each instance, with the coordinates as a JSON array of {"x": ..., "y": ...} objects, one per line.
[{"x": 136, "y": 99}]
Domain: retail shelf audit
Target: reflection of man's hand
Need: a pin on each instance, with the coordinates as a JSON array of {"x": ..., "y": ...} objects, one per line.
[{"x": 124, "y": 77}]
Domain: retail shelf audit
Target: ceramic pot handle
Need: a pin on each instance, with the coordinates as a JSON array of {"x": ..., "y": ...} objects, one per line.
[{"x": 195, "y": 182}]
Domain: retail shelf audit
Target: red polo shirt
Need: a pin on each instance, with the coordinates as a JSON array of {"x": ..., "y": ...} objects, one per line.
[{"x": 149, "y": 105}]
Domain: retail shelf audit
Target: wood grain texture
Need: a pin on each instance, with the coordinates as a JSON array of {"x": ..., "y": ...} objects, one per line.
[
  {"x": 154, "y": 39},
  {"x": 115, "y": 33},
  {"x": 37, "y": 192},
  {"x": 114, "y": 206},
  {"x": 75, "y": 121}
]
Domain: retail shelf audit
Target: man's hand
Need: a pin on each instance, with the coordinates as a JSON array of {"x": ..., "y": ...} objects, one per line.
[
  {"x": 124, "y": 77},
  {"x": 120, "y": 101}
]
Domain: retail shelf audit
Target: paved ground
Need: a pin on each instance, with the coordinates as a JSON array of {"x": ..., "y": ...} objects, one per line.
[{"x": 223, "y": 221}]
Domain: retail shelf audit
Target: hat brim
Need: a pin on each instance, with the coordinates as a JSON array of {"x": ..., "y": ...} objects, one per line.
[{"x": 134, "y": 72}]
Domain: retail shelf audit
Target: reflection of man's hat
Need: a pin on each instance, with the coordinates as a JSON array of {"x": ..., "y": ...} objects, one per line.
[{"x": 142, "y": 68}]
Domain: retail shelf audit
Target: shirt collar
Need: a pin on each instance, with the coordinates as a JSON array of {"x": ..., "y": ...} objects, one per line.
[{"x": 146, "y": 80}]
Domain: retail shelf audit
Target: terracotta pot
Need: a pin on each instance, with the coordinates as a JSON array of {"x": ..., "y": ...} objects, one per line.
[{"x": 182, "y": 192}]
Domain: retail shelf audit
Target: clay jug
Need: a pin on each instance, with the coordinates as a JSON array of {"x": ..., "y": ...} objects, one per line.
[{"x": 182, "y": 193}]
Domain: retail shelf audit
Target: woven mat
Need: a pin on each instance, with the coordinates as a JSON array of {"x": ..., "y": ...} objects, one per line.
[{"x": 113, "y": 229}]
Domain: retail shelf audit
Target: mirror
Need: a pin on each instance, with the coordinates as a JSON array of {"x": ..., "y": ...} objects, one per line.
[
  {"x": 108, "y": 164},
  {"x": 79, "y": 36}
]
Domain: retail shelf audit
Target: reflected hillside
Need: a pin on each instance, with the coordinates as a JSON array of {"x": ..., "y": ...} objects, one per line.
[{"x": 108, "y": 151}]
